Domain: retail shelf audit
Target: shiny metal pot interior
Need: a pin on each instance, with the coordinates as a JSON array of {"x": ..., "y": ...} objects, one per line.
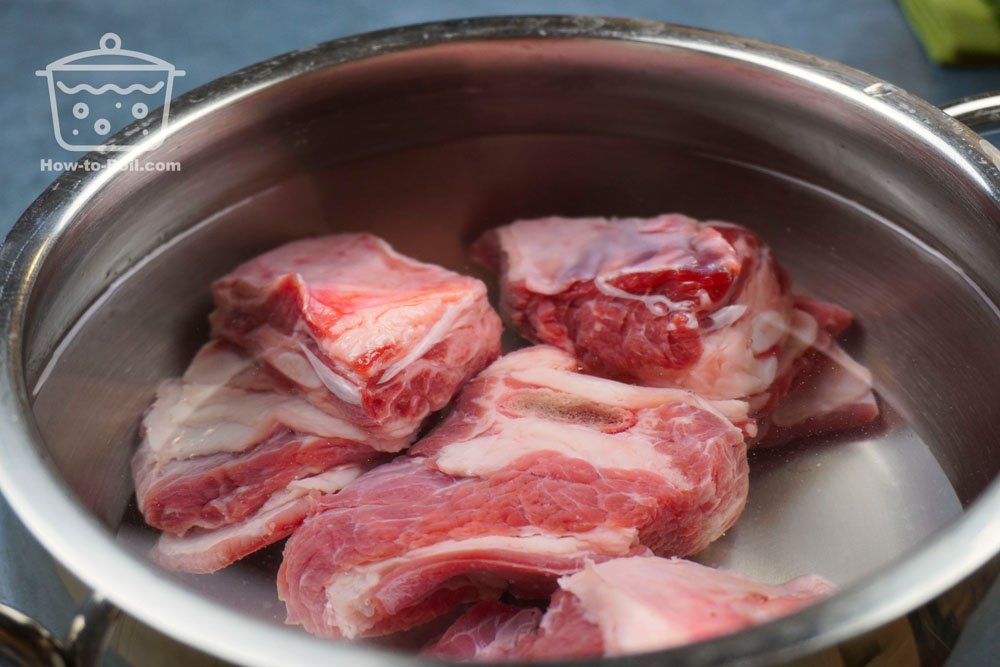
[{"x": 426, "y": 135}]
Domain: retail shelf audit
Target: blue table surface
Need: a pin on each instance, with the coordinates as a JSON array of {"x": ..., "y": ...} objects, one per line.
[{"x": 209, "y": 39}]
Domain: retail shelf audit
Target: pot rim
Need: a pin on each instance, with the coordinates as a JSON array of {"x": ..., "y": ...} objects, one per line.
[{"x": 62, "y": 525}]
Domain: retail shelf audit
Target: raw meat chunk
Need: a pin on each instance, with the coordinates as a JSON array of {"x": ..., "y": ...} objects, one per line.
[
  {"x": 641, "y": 604},
  {"x": 328, "y": 353},
  {"x": 666, "y": 301},
  {"x": 670, "y": 301},
  {"x": 488, "y": 631},
  {"x": 623, "y": 606},
  {"x": 537, "y": 469},
  {"x": 365, "y": 333},
  {"x": 219, "y": 441},
  {"x": 681, "y": 457},
  {"x": 222, "y": 452}
]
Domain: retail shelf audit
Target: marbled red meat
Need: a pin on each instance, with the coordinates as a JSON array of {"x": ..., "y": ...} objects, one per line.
[
  {"x": 632, "y": 605},
  {"x": 682, "y": 458},
  {"x": 671, "y": 301},
  {"x": 537, "y": 469},
  {"x": 224, "y": 446},
  {"x": 364, "y": 332}
]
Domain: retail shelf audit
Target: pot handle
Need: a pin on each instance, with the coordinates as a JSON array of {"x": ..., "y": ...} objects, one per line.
[
  {"x": 27, "y": 643},
  {"x": 979, "y": 112}
]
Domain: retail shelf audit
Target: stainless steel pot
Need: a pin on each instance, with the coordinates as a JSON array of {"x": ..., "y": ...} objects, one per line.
[{"x": 428, "y": 134}]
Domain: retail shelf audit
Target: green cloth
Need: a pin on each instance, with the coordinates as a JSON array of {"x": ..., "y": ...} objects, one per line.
[{"x": 956, "y": 31}]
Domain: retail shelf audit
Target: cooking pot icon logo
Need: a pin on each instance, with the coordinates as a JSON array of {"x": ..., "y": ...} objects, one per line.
[{"x": 94, "y": 92}]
